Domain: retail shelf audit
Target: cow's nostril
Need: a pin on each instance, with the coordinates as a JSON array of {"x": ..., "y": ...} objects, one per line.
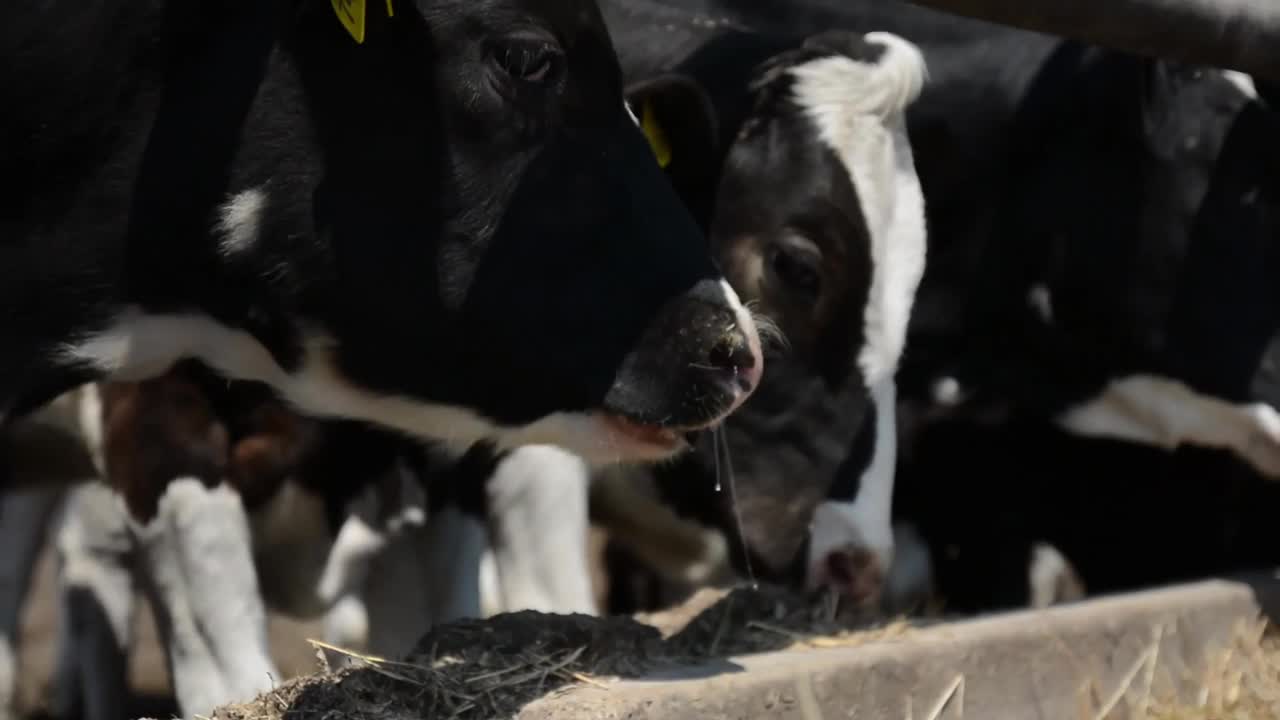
[{"x": 732, "y": 353}]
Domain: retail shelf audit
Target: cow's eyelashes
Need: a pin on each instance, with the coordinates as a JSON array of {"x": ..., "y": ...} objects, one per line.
[{"x": 533, "y": 61}]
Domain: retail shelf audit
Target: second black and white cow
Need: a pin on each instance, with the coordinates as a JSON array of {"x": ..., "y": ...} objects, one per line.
[
  {"x": 447, "y": 225},
  {"x": 815, "y": 212}
]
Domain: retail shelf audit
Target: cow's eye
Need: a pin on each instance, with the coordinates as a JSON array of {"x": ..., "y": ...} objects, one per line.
[
  {"x": 528, "y": 59},
  {"x": 796, "y": 262}
]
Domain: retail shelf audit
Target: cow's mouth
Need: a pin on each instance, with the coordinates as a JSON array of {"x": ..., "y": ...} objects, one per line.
[
  {"x": 643, "y": 433},
  {"x": 666, "y": 440}
]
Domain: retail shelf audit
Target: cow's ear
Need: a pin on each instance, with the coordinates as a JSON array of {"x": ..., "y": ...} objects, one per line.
[{"x": 679, "y": 120}]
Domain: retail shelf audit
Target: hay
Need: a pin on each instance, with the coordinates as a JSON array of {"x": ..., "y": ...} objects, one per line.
[
  {"x": 749, "y": 621},
  {"x": 492, "y": 668},
  {"x": 1241, "y": 682}
]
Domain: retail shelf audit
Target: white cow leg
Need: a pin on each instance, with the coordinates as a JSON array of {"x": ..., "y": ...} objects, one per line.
[
  {"x": 539, "y": 524},
  {"x": 24, "y": 517},
  {"x": 95, "y": 606},
  {"x": 197, "y": 555},
  {"x": 373, "y": 580},
  {"x": 1051, "y": 578}
]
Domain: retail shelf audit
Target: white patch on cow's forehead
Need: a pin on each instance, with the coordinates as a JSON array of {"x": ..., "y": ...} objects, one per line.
[
  {"x": 239, "y": 220},
  {"x": 859, "y": 110},
  {"x": 1243, "y": 82}
]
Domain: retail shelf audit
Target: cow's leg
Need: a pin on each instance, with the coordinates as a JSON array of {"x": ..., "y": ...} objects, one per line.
[
  {"x": 1051, "y": 577},
  {"x": 24, "y": 517},
  {"x": 455, "y": 544},
  {"x": 375, "y": 576},
  {"x": 292, "y": 548},
  {"x": 398, "y": 595},
  {"x": 199, "y": 565},
  {"x": 95, "y": 605},
  {"x": 1163, "y": 412},
  {"x": 537, "y": 509},
  {"x": 677, "y": 549},
  {"x": 851, "y": 546},
  {"x": 343, "y": 583}
]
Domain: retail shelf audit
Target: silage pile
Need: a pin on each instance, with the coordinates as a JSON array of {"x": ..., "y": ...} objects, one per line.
[{"x": 492, "y": 668}]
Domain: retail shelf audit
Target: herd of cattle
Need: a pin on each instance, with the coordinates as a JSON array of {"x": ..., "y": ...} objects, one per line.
[{"x": 372, "y": 319}]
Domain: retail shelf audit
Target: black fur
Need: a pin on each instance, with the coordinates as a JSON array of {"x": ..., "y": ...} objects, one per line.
[{"x": 466, "y": 236}]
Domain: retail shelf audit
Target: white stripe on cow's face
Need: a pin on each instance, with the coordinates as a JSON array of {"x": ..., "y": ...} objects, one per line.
[
  {"x": 859, "y": 109},
  {"x": 239, "y": 221},
  {"x": 863, "y": 523}
]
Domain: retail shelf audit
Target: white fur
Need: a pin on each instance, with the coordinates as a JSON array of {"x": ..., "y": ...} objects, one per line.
[
  {"x": 140, "y": 345},
  {"x": 490, "y": 585},
  {"x": 538, "y": 527},
  {"x": 198, "y": 552},
  {"x": 1165, "y": 413},
  {"x": 863, "y": 523},
  {"x": 1243, "y": 82},
  {"x": 1041, "y": 301},
  {"x": 239, "y": 219},
  {"x": 744, "y": 322},
  {"x": 859, "y": 109},
  {"x": 946, "y": 391},
  {"x": 95, "y": 604},
  {"x": 1051, "y": 577}
]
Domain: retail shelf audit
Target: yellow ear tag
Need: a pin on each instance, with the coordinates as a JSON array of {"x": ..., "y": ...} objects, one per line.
[
  {"x": 351, "y": 15},
  {"x": 657, "y": 140},
  {"x": 390, "y": 11}
]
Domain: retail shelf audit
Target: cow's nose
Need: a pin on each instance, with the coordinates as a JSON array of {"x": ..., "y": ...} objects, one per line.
[{"x": 733, "y": 354}]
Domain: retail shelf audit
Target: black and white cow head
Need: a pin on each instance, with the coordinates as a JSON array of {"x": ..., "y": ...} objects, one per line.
[
  {"x": 492, "y": 253},
  {"x": 818, "y": 222}
]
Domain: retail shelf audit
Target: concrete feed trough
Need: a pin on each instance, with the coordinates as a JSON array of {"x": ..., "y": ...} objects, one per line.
[{"x": 1130, "y": 656}]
